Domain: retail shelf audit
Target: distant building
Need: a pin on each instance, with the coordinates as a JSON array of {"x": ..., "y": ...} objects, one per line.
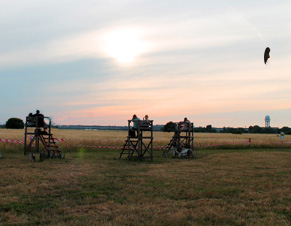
[{"x": 267, "y": 121}]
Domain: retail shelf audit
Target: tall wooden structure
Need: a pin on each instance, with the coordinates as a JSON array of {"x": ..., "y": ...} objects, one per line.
[
  {"x": 39, "y": 139},
  {"x": 139, "y": 142},
  {"x": 182, "y": 143}
]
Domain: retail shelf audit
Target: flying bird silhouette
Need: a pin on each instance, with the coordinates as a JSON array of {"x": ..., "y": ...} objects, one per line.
[{"x": 267, "y": 54}]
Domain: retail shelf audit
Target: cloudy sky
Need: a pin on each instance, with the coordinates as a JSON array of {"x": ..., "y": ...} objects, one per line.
[{"x": 98, "y": 62}]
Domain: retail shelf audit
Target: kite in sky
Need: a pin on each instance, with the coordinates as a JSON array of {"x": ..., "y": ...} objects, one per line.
[{"x": 267, "y": 54}]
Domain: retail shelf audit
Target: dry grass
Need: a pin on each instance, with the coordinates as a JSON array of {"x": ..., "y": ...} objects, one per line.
[
  {"x": 90, "y": 187},
  {"x": 117, "y": 138}
]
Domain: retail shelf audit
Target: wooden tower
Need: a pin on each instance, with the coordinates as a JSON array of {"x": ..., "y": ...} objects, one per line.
[
  {"x": 181, "y": 144},
  {"x": 39, "y": 139},
  {"x": 139, "y": 142}
]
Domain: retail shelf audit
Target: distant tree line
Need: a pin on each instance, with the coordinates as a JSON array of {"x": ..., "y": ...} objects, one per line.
[
  {"x": 170, "y": 127},
  {"x": 207, "y": 129},
  {"x": 257, "y": 129},
  {"x": 16, "y": 123},
  {"x": 234, "y": 130}
]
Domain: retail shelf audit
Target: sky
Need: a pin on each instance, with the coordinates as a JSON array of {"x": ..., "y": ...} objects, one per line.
[{"x": 95, "y": 62}]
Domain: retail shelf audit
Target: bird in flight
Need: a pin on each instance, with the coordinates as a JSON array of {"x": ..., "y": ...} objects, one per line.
[{"x": 267, "y": 54}]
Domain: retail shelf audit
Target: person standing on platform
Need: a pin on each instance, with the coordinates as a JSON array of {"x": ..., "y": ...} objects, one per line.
[{"x": 135, "y": 121}]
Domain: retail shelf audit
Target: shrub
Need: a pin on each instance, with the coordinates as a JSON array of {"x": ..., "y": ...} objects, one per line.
[
  {"x": 170, "y": 127},
  {"x": 14, "y": 123}
]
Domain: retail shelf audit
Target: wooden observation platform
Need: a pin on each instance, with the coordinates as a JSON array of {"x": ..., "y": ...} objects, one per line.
[
  {"x": 38, "y": 133},
  {"x": 181, "y": 144},
  {"x": 139, "y": 142}
]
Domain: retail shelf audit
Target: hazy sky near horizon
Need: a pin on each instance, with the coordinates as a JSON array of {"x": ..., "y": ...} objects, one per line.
[{"x": 99, "y": 62}]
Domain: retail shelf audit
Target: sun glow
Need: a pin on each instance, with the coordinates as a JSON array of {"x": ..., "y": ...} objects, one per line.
[{"x": 124, "y": 45}]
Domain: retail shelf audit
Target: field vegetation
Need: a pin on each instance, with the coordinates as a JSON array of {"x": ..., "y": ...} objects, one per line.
[
  {"x": 225, "y": 185},
  {"x": 77, "y": 138}
]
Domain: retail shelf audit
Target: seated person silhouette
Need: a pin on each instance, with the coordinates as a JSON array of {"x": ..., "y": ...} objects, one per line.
[
  {"x": 146, "y": 118},
  {"x": 184, "y": 125},
  {"x": 31, "y": 122},
  {"x": 40, "y": 120},
  {"x": 145, "y": 123}
]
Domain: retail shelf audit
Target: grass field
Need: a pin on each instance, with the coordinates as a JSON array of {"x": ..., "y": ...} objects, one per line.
[
  {"x": 230, "y": 185},
  {"x": 116, "y": 138}
]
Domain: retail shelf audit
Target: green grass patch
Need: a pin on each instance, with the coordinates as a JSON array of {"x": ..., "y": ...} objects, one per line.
[{"x": 93, "y": 187}]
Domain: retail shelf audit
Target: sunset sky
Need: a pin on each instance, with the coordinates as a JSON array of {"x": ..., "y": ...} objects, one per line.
[{"x": 96, "y": 62}]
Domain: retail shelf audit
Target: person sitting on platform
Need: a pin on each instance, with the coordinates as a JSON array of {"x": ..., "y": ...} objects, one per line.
[
  {"x": 186, "y": 120},
  {"x": 145, "y": 123},
  {"x": 38, "y": 114},
  {"x": 40, "y": 120},
  {"x": 31, "y": 120},
  {"x": 184, "y": 125},
  {"x": 146, "y": 118}
]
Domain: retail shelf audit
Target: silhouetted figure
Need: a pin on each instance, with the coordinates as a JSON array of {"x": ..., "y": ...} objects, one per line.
[
  {"x": 40, "y": 118},
  {"x": 145, "y": 123},
  {"x": 40, "y": 121},
  {"x": 31, "y": 121},
  {"x": 184, "y": 125},
  {"x": 146, "y": 118},
  {"x": 267, "y": 54}
]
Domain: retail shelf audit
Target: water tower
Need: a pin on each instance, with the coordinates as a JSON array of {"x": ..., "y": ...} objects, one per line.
[{"x": 267, "y": 121}]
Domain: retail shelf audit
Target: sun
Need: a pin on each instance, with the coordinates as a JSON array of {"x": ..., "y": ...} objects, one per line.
[{"x": 124, "y": 45}]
